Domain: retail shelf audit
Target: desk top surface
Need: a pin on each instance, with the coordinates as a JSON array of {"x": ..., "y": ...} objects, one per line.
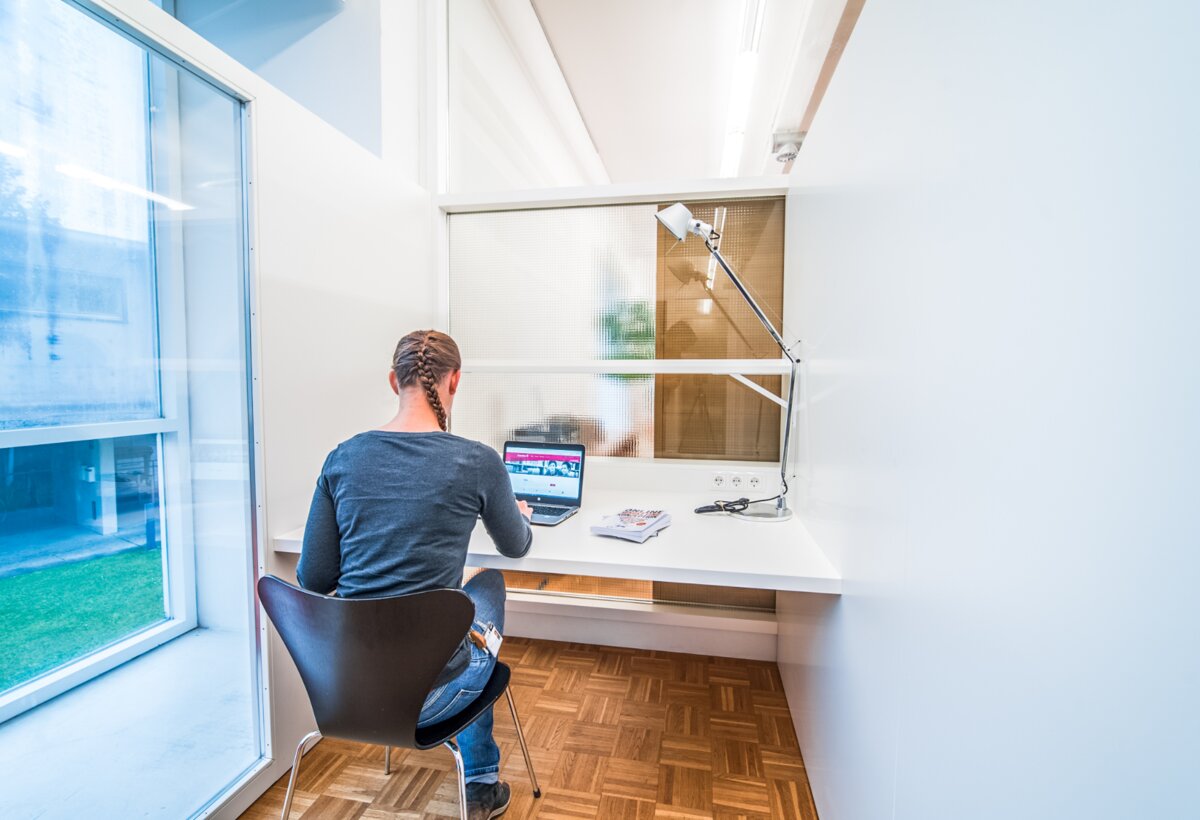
[{"x": 695, "y": 549}]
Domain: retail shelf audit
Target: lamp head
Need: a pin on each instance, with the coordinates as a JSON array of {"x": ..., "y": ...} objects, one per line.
[
  {"x": 676, "y": 219},
  {"x": 679, "y": 221}
]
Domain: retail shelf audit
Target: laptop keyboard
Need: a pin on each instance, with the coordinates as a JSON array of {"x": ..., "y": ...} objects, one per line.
[{"x": 541, "y": 509}]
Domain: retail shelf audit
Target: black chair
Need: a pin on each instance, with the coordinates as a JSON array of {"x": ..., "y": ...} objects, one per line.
[{"x": 368, "y": 664}]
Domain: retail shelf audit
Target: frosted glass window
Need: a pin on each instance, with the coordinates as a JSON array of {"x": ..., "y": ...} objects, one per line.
[
  {"x": 610, "y": 415},
  {"x": 569, "y": 284},
  {"x": 701, "y": 315}
]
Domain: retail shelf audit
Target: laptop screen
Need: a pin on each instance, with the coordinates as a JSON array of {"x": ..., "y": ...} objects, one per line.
[{"x": 544, "y": 472}]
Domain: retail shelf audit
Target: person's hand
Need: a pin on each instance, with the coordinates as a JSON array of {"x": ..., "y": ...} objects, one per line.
[{"x": 525, "y": 509}]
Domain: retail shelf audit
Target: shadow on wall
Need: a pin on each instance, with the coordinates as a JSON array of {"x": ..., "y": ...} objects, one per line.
[{"x": 275, "y": 25}]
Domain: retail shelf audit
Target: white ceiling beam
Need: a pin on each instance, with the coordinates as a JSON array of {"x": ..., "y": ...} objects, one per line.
[
  {"x": 622, "y": 194},
  {"x": 521, "y": 28}
]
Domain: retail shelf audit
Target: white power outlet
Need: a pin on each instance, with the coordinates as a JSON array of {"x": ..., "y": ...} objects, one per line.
[{"x": 737, "y": 481}]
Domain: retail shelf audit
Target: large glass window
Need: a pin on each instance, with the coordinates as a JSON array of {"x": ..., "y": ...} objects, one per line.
[
  {"x": 125, "y": 459},
  {"x": 79, "y": 521},
  {"x": 77, "y": 297}
]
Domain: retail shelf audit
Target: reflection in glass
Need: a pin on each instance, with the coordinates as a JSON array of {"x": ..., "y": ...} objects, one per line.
[{"x": 77, "y": 298}]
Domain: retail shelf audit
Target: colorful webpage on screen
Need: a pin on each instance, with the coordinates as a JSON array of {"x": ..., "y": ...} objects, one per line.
[{"x": 544, "y": 471}]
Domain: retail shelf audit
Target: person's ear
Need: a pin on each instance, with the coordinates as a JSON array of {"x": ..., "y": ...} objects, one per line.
[
  {"x": 394, "y": 382},
  {"x": 454, "y": 379}
]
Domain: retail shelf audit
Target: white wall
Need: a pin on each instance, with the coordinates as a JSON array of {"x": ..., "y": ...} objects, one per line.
[
  {"x": 994, "y": 236},
  {"x": 343, "y": 268},
  {"x": 351, "y": 62},
  {"x": 344, "y": 272},
  {"x": 325, "y": 54}
]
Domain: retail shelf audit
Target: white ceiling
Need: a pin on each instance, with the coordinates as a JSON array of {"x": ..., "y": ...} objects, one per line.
[{"x": 652, "y": 79}]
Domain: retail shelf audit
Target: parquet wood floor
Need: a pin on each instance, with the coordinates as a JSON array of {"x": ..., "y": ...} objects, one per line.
[{"x": 615, "y": 734}]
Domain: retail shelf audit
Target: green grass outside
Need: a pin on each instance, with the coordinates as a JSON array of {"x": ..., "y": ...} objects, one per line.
[{"x": 53, "y": 616}]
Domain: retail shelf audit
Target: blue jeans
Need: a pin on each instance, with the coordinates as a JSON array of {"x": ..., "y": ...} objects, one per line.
[{"x": 481, "y": 755}]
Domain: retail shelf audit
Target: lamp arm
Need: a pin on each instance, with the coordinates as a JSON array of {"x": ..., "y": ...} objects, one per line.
[
  {"x": 758, "y": 311},
  {"x": 781, "y": 503},
  {"x": 724, "y": 312}
]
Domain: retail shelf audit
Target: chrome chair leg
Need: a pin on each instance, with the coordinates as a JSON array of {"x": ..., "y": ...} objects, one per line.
[
  {"x": 387, "y": 759},
  {"x": 287, "y": 800},
  {"x": 512, "y": 706},
  {"x": 462, "y": 777}
]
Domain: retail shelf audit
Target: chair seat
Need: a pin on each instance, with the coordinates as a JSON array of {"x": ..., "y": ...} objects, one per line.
[{"x": 435, "y": 734}]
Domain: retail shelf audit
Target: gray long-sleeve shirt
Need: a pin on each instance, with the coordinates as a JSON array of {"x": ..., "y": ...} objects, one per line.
[{"x": 393, "y": 513}]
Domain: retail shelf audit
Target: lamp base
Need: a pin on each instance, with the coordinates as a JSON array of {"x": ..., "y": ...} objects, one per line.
[{"x": 765, "y": 513}]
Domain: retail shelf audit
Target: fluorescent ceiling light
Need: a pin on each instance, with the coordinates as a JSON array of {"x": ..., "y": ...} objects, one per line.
[
  {"x": 10, "y": 150},
  {"x": 731, "y": 156},
  {"x": 752, "y": 23},
  {"x": 110, "y": 184},
  {"x": 741, "y": 86}
]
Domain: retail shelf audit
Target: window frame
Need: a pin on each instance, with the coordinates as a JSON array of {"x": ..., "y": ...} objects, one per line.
[
  {"x": 179, "y": 593},
  {"x": 171, "y": 428},
  {"x": 155, "y": 31}
]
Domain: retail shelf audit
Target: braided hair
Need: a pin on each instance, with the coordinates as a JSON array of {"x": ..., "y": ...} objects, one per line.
[{"x": 425, "y": 357}]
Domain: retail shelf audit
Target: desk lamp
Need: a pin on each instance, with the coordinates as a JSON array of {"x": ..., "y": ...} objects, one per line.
[{"x": 678, "y": 220}]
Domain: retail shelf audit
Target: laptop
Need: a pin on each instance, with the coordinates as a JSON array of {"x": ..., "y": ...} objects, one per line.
[{"x": 548, "y": 477}]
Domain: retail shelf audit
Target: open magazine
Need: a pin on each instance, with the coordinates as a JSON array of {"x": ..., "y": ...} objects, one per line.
[{"x": 632, "y": 525}]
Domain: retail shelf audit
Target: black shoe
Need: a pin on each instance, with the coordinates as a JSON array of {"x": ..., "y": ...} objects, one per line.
[{"x": 487, "y": 800}]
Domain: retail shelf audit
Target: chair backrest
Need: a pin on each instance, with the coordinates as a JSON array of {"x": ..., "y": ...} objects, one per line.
[{"x": 368, "y": 663}]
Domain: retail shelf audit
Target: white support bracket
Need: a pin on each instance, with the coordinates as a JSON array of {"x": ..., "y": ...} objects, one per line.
[{"x": 758, "y": 388}]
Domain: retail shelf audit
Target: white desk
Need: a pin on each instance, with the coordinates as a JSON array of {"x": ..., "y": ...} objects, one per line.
[{"x": 695, "y": 549}]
